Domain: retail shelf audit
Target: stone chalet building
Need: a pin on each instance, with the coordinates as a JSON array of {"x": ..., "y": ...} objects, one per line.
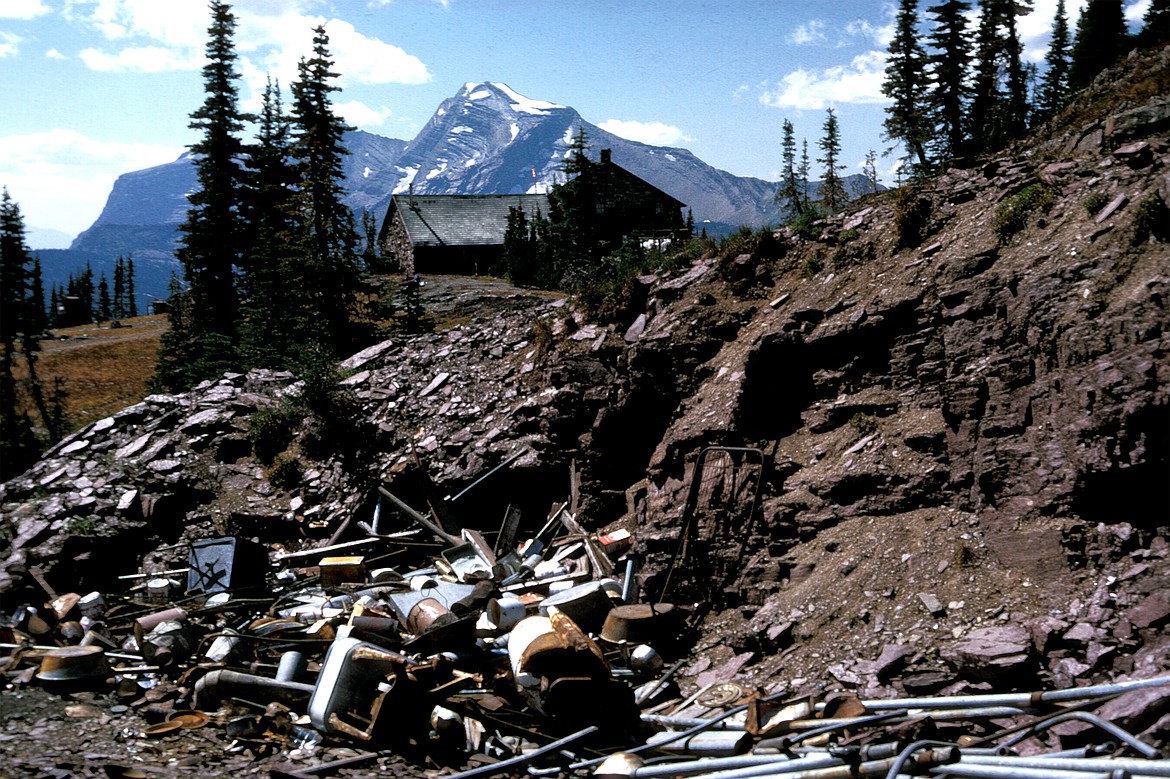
[{"x": 464, "y": 234}]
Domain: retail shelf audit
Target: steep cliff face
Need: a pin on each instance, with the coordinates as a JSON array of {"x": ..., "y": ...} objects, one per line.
[{"x": 952, "y": 407}]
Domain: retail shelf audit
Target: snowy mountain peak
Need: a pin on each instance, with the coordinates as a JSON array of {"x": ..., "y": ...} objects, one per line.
[{"x": 517, "y": 102}]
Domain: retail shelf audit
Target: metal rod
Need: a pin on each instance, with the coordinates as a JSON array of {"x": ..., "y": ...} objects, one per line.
[
  {"x": 477, "y": 482},
  {"x": 422, "y": 519},
  {"x": 1144, "y": 749},
  {"x": 1011, "y": 772},
  {"x": 1013, "y": 699},
  {"x": 504, "y": 765},
  {"x": 1134, "y": 765}
]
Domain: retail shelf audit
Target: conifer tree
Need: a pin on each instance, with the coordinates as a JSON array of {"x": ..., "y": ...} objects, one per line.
[
  {"x": 949, "y": 63},
  {"x": 869, "y": 168},
  {"x": 1100, "y": 41},
  {"x": 906, "y": 86},
  {"x": 18, "y": 444},
  {"x": 38, "y": 316},
  {"x": 104, "y": 307},
  {"x": 999, "y": 105},
  {"x": 132, "y": 301},
  {"x": 272, "y": 255},
  {"x": 328, "y": 269},
  {"x": 577, "y": 160},
  {"x": 790, "y": 187},
  {"x": 118, "y": 303},
  {"x": 211, "y": 245},
  {"x": 802, "y": 173},
  {"x": 1155, "y": 24},
  {"x": 832, "y": 189},
  {"x": 1054, "y": 88}
]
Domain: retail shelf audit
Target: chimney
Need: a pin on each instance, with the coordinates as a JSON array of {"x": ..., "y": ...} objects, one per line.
[{"x": 606, "y": 156}]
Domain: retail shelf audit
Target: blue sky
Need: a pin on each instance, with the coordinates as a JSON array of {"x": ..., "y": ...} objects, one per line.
[{"x": 95, "y": 88}]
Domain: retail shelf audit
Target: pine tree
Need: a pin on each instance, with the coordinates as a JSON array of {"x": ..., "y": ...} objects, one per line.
[
  {"x": 906, "y": 86},
  {"x": 1155, "y": 25},
  {"x": 18, "y": 444},
  {"x": 790, "y": 187},
  {"x": 802, "y": 173},
  {"x": 999, "y": 106},
  {"x": 272, "y": 254},
  {"x": 869, "y": 168},
  {"x": 1054, "y": 88},
  {"x": 132, "y": 301},
  {"x": 1100, "y": 41},
  {"x": 85, "y": 291},
  {"x": 105, "y": 311},
  {"x": 832, "y": 189},
  {"x": 38, "y": 316},
  {"x": 118, "y": 304},
  {"x": 949, "y": 63},
  {"x": 577, "y": 160},
  {"x": 213, "y": 234},
  {"x": 328, "y": 270}
]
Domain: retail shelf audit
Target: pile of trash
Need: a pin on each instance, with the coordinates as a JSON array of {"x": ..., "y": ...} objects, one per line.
[{"x": 534, "y": 652}]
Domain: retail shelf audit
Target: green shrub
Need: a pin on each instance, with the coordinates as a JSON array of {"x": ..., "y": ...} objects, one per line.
[
  {"x": 285, "y": 472},
  {"x": 271, "y": 431},
  {"x": 812, "y": 265},
  {"x": 1095, "y": 202},
  {"x": 911, "y": 216},
  {"x": 1011, "y": 216},
  {"x": 1152, "y": 219},
  {"x": 805, "y": 225},
  {"x": 865, "y": 423}
]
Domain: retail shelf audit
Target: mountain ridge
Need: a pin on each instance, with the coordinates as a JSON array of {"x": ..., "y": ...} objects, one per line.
[{"x": 485, "y": 139}]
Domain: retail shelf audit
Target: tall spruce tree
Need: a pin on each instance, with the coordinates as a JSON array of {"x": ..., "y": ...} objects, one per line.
[
  {"x": 803, "y": 171},
  {"x": 211, "y": 246},
  {"x": 1100, "y": 41},
  {"x": 328, "y": 269},
  {"x": 1054, "y": 87},
  {"x": 131, "y": 300},
  {"x": 905, "y": 85},
  {"x": 832, "y": 190},
  {"x": 1155, "y": 24},
  {"x": 272, "y": 250},
  {"x": 790, "y": 187},
  {"x": 18, "y": 444},
  {"x": 38, "y": 316},
  {"x": 999, "y": 106},
  {"x": 950, "y": 64}
]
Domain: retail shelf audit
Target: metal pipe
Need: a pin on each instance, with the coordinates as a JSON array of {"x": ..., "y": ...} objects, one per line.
[
  {"x": 1013, "y": 699},
  {"x": 869, "y": 768},
  {"x": 718, "y": 743},
  {"x": 688, "y": 722},
  {"x": 219, "y": 684},
  {"x": 504, "y": 765},
  {"x": 1009, "y": 772},
  {"x": 939, "y": 715},
  {"x": 716, "y": 765},
  {"x": 1134, "y": 765},
  {"x": 629, "y": 585},
  {"x": 1143, "y": 749}
]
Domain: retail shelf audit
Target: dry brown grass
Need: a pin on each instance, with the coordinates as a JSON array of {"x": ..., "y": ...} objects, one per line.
[{"x": 104, "y": 369}]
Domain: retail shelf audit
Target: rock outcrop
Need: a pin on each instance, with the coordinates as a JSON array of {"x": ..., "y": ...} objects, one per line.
[{"x": 961, "y": 399}]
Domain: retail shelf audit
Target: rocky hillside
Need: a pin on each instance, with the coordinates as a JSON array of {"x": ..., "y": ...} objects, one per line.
[{"x": 954, "y": 406}]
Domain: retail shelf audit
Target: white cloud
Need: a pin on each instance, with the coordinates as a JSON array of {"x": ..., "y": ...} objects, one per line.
[
  {"x": 358, "y": 114},
  {"x": 61, "y": 178},
  {"x": 811, "y": 32},
  {"x": 270, "y": 36},
  {"x": 858, "y": 82},
  {"x": 53, "y": 54},
  {"x": 654, "y": 133},
  {"x": 9, "y": 44},
  {"x": 22, "y": 9},
  {"x": 141, "y": 59}
]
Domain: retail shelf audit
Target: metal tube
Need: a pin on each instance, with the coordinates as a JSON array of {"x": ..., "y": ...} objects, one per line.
[
  {"x": 1010, "y": 772},
  {"x": 504, "y": 765},
  {"x": 1145, "y": 750},
  {"x": 1013, "y": 699},
  {"x": 629, "y": 585},
  {"x": 688, "y": 722},
  {"x": 771, "y": 768},
  {"x": 1147, "y": 767},
  {"x": 715, "y": 765}
]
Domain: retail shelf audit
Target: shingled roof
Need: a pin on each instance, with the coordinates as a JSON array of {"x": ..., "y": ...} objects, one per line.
[{"x": 463, "y": 220}]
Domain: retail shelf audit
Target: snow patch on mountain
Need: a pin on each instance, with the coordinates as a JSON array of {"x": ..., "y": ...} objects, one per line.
[
  {"x": 407, "y": 179},
  {"x": 524, "y": 105}
]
